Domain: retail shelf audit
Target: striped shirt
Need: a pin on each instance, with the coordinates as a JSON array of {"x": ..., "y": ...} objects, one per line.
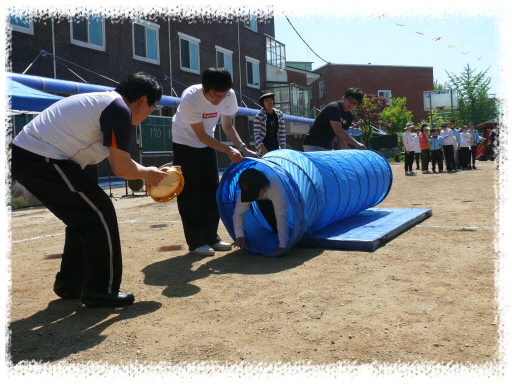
[{"x": 260, "y": 128}]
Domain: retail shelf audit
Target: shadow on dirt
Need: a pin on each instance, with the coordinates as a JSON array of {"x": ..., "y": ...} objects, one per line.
[
  {"x": 64, "y": 328},
  {"x": 176, "y": 274}
]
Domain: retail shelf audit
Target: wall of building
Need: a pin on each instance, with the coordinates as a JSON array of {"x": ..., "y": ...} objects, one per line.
[
  {"x": 409, "y": 82},
  {"x": 117, "y": 60}
]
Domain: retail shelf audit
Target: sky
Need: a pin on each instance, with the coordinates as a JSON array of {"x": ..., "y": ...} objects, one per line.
[{"x": 381, "y": 41}]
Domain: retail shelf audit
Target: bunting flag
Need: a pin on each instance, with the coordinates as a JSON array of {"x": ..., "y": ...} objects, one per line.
[{"x": 434, "y": 39}]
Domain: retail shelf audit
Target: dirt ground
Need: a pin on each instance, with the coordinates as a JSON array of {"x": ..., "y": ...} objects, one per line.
[{"x": 427, "y": 296}]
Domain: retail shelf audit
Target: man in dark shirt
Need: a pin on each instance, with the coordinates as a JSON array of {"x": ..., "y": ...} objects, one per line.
[{"x": 334, "y": 121}]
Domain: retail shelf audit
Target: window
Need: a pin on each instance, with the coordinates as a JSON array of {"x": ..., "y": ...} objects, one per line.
[
  {"x": 251, "y": 22},
  {"x": 88, "y": 31},
  {"x": 225, "y": 59},
  {"x": 300, "y": 100},
  {"x": 189, "y": 53},
  {"x": 321, "y": 89},
  {"x": 145, "y": 41},
  {"x": 253, "y": 72},
  {"x": 22, "y": 23},
  {"x": 276, "y": 55},
  {"x": 282, "y": 96},
  {"x": 387, "y": 95}
]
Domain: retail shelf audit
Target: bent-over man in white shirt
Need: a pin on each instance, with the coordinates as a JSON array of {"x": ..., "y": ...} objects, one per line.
[
  {"x": 272, "y": 202},
  {"x": 193, "y": 126}
]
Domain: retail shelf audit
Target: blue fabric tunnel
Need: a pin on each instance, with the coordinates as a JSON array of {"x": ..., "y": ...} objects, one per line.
[{"x": 322, "y": 187}]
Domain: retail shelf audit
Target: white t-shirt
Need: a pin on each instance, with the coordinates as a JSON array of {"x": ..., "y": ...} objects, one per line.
[
  {"x": 416, "y": 144},
  {"x": 465, "y": 140},
  {"x": 195, "y": 108},
  {"x": 80, "y": 128},
  {"x": 408, "y": 141},
  {"x": 277, "y": 195}
]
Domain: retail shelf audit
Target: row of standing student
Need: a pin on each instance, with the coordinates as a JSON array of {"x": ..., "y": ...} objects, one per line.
[{"x": 458, "y": 148}]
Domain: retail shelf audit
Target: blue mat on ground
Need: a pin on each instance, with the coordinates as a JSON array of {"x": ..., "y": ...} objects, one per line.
[{"x": 367, "y": 230}]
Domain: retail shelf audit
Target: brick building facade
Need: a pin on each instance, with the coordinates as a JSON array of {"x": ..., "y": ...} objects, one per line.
[
  {"x": 399, "y": 81},
  {"x": 170, "y": 50}
]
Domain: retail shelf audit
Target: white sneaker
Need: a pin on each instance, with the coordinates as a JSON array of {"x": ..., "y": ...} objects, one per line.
[
  {"x": 222, "y": 246},
  {"x": 205, "y": 250},
  {"x": 407, "y": 173},
  {"x": 412, "y": 172}
]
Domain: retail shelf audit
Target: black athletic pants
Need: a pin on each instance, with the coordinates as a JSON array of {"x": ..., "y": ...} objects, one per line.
[
  {"x": 437, "y": 158},
  {"x": 197, "y": 203},
  {"x": 449, "y": 157},
  {"x": 473, "y": 154},
  {"x": 417, "y": 155},
  {"x": 409, "y": 161},
  {"x": 267, "y": 210},
  {"x": 92, "y": 251},
  {"x": 464, "y": 157},
  {"x": 425, "y": 159}
]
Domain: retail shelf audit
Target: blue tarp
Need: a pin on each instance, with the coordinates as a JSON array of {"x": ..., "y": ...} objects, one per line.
[
  {"x": 24, "y": 98},
  {"x": 73, "y": 87}
]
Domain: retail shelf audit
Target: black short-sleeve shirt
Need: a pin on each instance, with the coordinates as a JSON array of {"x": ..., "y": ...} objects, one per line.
[{"x": 321, "y": 133}]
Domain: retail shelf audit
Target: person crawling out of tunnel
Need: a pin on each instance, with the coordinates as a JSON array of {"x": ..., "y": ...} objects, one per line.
[{"x": 266, "y": 190}]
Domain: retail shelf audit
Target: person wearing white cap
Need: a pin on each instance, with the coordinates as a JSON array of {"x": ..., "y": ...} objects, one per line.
[{"x": 409, "y": 149}]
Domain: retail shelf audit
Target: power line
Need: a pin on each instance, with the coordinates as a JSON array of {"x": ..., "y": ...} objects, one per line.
[
  {"x": 303, "y": 39},
  {"x": 45, "y": 53}
]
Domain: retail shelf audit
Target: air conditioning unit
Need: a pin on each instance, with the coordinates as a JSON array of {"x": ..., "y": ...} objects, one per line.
[{"x": 321, "y": 95}]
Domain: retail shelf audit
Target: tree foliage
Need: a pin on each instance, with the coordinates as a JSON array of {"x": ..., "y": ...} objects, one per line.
[
  {"x": 475, "y": 102},
  {"x": 368, "y": 116},
  {"x": 397, "y": 115}
]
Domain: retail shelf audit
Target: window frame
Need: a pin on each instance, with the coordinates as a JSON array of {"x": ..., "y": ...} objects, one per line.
[
  {"x": 249, "y": 19},
  {"x": 321, "y": 93},
  {"x": 253, "y": 62},
  {"x": 194, "y": 40},
  {"x": 385, "y": 90},
  {"x": 80, "y": 43},
  {"x": 226, "y": 52},
  {"x": 275, "y": 53},
  {"x": 18, "y": 28},
  {"x": 152, "y": 26}
]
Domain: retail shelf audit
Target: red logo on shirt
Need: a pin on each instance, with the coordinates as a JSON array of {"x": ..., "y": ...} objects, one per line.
[
  {"x": 245, "y": 187},
  {"x": 209, "y": 115}
]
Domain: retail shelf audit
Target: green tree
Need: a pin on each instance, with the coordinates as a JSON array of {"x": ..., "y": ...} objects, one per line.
[
  {"x": 438, "y": 86},
  {"x": 368, "y": 116},
  {"x": 397, "y": 115},
  {"x": 475, "y": 102}
]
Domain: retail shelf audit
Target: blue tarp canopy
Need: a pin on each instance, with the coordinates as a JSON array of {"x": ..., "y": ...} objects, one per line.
[
  {"x": 73, "y": 87},
  {"x": 27, "y": 99}
]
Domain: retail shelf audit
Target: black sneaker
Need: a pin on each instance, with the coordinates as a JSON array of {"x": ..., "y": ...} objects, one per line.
[
  {"x": 106, "y": 300},
  {"x": 474, "y": 167},
  {"x": 66, "y": 290}
]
